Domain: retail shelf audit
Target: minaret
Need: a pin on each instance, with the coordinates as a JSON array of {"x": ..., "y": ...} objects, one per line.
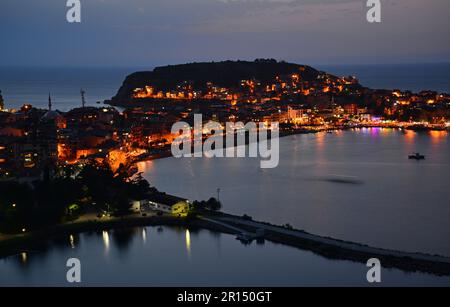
[
  {"x": 49, "y": 102},
  {"x": 83, "y": 100},
  {"x": 2, "y": 104}
]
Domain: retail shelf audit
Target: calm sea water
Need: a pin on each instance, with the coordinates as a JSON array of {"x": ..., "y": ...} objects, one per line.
[
  {"x": 354, "y": 185},
  {"x": 32, "y": 85},
  {"x": 351, "y": 185},
  {"x": 179, "y": 257}
]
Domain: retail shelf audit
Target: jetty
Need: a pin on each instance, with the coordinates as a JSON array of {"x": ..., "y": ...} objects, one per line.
[
  {"x": 246, "y": 231},
  {"x": 249, "y": 230}
]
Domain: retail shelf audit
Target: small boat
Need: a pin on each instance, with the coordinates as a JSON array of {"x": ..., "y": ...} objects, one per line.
[
  {"x": 244, "y": 238},
  {"x": 417, "y": 156}
]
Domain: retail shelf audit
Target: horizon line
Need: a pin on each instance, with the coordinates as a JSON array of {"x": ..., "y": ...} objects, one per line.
[{"x": 152, "y": 66}]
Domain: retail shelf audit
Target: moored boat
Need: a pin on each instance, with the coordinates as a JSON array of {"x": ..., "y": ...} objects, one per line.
[{"x": 417, "y": 156}]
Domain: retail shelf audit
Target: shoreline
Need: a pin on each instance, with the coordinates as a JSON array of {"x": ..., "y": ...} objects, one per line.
[
  {"x": 166, "y": 153},
  {"x": 337, "y": 249},
  {"x": 329, "y": 248},
  {"x": 419, "y": 127},
  {"x": 15, "y": 244}
]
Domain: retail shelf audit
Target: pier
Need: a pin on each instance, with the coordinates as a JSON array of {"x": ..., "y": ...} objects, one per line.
[
  {"x": 250, "y": 230},
  {"x": 244, "y": 236},
  {"x": 246, "y": 230}
]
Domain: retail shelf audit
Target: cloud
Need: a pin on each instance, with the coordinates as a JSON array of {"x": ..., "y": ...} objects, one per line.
[{"x": 143, "y": 31}]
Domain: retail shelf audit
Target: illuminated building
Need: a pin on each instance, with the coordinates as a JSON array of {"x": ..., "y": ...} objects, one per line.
[{"x": 165, "y": 203}]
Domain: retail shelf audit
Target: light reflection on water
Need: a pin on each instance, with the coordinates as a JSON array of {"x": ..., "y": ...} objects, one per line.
[
  {"x": 219, "y": 260},
  {"x": 188, "y": 243},
  {"x": 105, "y": 236},
  {"x": 438, "y": 136},
  {"x": 23, "y": 257},
  {"x": 72, "y": 241},
  {"x": 144, "y": 235},
  {"x": 398, "y": 203}
]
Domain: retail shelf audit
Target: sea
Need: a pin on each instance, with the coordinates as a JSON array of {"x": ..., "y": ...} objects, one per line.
[
  {"x": 355, "y": 185},
  {"x": 20, "y": 85}
]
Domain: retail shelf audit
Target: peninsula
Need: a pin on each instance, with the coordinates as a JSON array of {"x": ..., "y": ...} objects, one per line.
[{"x": 73, "y": 171}]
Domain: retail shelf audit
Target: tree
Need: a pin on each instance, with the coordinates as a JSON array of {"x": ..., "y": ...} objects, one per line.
[
  {"x": 210, "y": 205},
  {"x": 213, "y": 204},
  {"x": 58, "y": 199},
  {"x": 53, "y": 197},
  {"x": 16, "y": 206},
  {"x": 112, "y": 190}
]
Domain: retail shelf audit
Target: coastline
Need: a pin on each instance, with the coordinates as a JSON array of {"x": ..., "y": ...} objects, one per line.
[
  {"x": 337, "y": 249},
  {"x": 166, "y": 152},
  {"x": 328, "y": 248},
  {"x": 15, "y": 244}
]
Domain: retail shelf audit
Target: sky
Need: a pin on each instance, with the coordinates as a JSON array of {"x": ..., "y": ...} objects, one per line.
[{"x": 155, "y": 32}]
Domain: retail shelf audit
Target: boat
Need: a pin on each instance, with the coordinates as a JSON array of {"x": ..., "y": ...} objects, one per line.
[
  {"x": 244, "y": 238},
  {"x": 417, "y": 156},
  {"x": 247, "y": 237}
]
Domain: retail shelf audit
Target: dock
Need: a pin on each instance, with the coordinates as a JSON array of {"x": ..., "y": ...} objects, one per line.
[{"x": 248, "y": 230}]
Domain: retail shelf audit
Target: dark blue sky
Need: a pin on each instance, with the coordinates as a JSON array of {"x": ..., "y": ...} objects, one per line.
[{"x": 154, "y": 32}]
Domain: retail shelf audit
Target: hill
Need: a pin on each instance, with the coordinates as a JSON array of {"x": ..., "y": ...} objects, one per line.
[{"x": 224, "y": 74}]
